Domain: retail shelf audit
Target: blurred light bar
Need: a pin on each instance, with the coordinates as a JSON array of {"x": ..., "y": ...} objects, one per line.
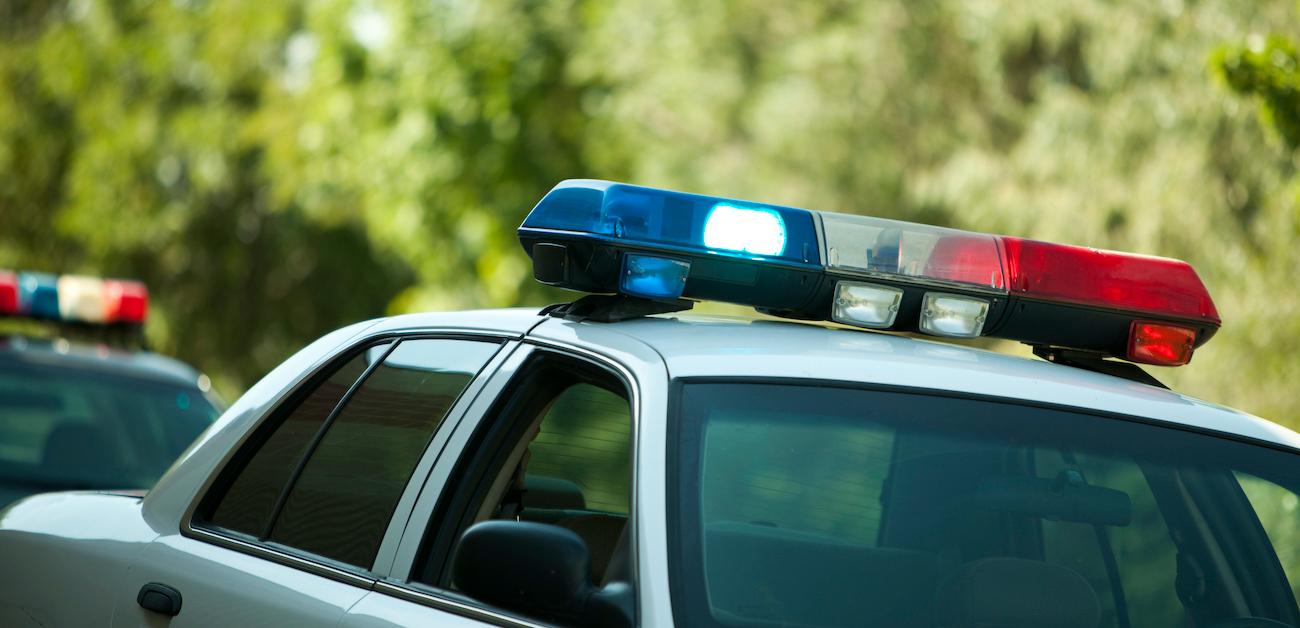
[{"x": 73, "y": 298}]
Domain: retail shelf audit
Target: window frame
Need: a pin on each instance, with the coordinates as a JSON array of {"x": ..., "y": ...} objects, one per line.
[
  {"x": 680, "y": 577},
  {"x": 401, "y": 584},
  {"x": 192, "y": 526}
]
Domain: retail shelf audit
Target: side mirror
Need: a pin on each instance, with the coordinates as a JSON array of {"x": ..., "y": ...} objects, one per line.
[{"x": 537, "y": 570}]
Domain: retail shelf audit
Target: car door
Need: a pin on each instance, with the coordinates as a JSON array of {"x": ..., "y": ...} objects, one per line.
[
  {"x": 553, "y": 440},
  {"x": 306, "y": 513}
]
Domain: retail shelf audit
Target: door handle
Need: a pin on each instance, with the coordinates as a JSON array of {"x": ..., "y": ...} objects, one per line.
[{"x": 159, "y": 598}]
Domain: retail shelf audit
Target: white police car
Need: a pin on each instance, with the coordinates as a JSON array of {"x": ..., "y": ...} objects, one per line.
[
  {"x": 83, "y": 408},
  {"x": 609, "y": 462}
]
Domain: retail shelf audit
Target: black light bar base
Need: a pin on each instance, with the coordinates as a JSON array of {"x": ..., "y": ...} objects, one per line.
[
  {"x": 1097, "y": 363},
  {"x": 611, "y": 308}
]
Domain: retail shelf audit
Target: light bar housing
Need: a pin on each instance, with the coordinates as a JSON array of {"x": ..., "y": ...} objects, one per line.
[
  {"x": 788, "y": 262},
  {"x": 73, "y": 299}
]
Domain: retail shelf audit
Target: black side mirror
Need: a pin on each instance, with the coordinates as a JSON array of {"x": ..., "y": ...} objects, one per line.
[{"x": 537, "y": 570}]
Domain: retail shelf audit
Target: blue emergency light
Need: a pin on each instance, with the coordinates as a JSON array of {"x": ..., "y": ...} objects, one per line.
[{"x": 667, "y": 247}]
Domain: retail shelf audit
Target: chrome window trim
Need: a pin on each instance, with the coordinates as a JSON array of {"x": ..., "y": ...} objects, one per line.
[
  {"x": 355, "y": 576},
  {"x": 260, "y": 550},
  {"x": 433, "y": 600}
]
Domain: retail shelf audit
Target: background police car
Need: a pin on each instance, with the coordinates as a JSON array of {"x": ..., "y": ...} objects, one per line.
[
  {"x": 512, "y": 467},
  {"x": 90, "y": 412}
]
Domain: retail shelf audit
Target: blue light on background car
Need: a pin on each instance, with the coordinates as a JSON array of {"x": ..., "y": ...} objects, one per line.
[
  {"x": 748, "y": 230},
  {"x": 653, "y": 277},
  {"x": 38, "y": 295}
]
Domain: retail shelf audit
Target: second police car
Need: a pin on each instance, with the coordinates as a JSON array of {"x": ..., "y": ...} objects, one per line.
[
  {"x": 614, "y": 462},
  {"x": 82, "y": 404}
]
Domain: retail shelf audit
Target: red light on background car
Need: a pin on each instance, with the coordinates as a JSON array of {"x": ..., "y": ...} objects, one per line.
[
  {"x": 8, "y": 292},
  {"x": 1107, "y": 279},
  {"x": 127, "y": 301},
  {"x": 1160, "y": 344}
]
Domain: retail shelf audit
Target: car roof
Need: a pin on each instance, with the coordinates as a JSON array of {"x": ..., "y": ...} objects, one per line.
[
  {"x": 60, "y": 353},
  {"x": 693, "y": 345}
]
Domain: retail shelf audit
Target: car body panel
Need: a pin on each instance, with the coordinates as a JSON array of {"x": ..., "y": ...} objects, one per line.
[
  {"x": 223, "y": 587},
  {"x": 84, "y": 543}
]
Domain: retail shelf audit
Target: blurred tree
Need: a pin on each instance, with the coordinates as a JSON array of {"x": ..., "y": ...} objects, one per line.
[
  {"x": 124, "y": 133},
  {"x": 275, "y": 169},
  {"x": 1269, "y": 69}
]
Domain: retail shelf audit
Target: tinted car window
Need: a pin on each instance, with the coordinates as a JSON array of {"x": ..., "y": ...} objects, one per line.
[
  {"x": 341, "y": 503},
  {"x": 821, "y": 506},
  {"x": 584, "y": 439},
  {"x": 248, "y": 504},
  {"x": 63, "y": 428}
]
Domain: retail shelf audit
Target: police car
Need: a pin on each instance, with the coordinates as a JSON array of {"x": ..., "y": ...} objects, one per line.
[
  {"x": 617, "y": 462},
  {"x": 80, "y": 409}
]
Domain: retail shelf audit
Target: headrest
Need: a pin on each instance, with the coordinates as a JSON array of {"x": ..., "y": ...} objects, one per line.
[
  {"x": 542, "y": 491},
  {"x": 1016, "y": 593}
]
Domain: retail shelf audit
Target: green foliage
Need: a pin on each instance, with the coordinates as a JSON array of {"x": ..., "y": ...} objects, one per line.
[
  {"x": 277, "y": 169},
  {"x": 1269, "y": 69}
]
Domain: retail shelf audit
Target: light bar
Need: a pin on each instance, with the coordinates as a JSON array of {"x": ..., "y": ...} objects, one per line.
[
  {"x": 73, "y": 298},
  {"x": 604, "y": 237}
]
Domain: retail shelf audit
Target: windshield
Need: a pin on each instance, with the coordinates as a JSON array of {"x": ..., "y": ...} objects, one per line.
[
  {"x": 820, "y": 506},
  {"x": 63, "y": 428}
]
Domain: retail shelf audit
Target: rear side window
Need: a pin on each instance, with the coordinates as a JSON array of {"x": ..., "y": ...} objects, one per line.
[
  {"x": 327, "y": 480},
  {"x": 248, "y": 504}
]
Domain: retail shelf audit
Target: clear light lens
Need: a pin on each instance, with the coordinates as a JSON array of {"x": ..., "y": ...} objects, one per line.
[
  {"x": 653, "y": 277},
  {"x": 82, "y": 299},
  {"x": 865, "y": 305},
  {"x": 747, "y": 230},
  {"x": 953, "y": 316},
  {"x": 889, "y": 247}
]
